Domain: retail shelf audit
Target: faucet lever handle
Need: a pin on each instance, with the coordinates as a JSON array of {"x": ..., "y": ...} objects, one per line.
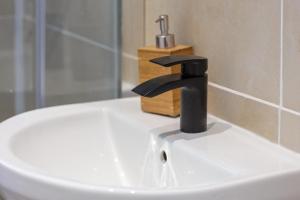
[{"x": 191, "y": 65}]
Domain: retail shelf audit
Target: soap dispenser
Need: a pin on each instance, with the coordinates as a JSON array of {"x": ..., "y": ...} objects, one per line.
[
  {"x": 164, "y": 40},
  {"x": 167, "y": 103}
]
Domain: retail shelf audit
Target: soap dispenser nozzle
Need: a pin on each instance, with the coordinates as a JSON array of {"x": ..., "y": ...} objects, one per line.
[{"x": 164, "y": 40}]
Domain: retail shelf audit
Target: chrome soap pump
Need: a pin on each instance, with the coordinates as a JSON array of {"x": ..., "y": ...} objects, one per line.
[{"x": 164, "y": 40}]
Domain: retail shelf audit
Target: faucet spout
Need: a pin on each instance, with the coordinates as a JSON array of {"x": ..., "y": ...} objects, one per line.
[{"x": 161, "y": 84}]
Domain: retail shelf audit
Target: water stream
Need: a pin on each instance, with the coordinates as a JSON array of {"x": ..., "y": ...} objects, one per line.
[{"x": 156, "y": 172}]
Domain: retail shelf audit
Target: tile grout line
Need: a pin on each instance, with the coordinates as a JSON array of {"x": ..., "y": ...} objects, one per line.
[
  {"x": 89, "y": 41},
  {"x": 75, "y": 36},
  {"x": 290, "y": 111},
  {"x": 130, "y": 56},
  {"x": 281, "y": 74},
  {"x": 247, "y": 96},
  {"x": 79, "y": 37},
  {"x": 84, "y": 39}
]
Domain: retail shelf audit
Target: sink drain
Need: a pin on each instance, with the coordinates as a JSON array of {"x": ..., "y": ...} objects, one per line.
[{"x": 163, "y": 157}]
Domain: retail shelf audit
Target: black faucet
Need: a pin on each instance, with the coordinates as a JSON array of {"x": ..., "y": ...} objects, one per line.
[{"x": 193, "y": 80}]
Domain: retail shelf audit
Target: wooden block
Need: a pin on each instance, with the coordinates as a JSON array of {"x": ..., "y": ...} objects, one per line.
[{"x": 167, "y": 103}]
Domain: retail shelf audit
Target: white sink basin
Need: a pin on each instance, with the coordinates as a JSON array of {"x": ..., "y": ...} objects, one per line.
[{"x": 111, "y": 150}]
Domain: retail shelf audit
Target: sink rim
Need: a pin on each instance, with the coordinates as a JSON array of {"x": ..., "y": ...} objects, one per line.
[
  {"x": 53, "y": 181},
  {"x": 13, "y": 164}
]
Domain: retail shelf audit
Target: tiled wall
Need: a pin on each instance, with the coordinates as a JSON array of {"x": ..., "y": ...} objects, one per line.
[
  {"x": 290, "y": 124},
  {"x": 253, "y": 48}
]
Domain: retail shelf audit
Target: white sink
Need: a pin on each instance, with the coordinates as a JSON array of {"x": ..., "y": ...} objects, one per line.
[{"x": 111, "y": 150}]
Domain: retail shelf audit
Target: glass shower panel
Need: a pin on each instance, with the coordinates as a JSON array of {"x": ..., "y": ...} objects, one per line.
[
  {"x": 16, "y": 56},
  {"x": 27, "y": 63},
  {"x": 81, "y": 51},
  {"x": 55, "y": 52},
  {"x": 7, "y": 59}
]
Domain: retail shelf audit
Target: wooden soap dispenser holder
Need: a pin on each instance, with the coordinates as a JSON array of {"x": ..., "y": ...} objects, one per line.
[{"x": 167, "y": 103}]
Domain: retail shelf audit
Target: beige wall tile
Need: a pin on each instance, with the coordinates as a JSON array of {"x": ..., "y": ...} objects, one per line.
[
  {"x": 130, "y": 70},
  {"x": 77, "y": 71},
  {"x": 133, "y": 35},
  {"x": 291, "y": 55},
  {"x": 290, "y": 131},
  {"x": 92, "y": 19},
  {"x": 82, "y": 67},
  {"x": 249, "y": 114},
  {"x": 240, "y": 38}
]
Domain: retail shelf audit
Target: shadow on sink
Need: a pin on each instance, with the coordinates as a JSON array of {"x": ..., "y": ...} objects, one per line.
[{"x": 169, "y": 134}]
